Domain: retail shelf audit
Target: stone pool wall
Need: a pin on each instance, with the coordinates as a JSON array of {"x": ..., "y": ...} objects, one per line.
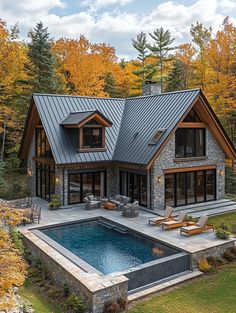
[
  {"x": 216, "y": 251},
  {"x": 95, "y": 289}
]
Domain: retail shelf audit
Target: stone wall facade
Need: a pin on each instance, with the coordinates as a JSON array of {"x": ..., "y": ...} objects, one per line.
[
  {"x": 94, "y": 288},
  {"x": 165, "y": 160}
]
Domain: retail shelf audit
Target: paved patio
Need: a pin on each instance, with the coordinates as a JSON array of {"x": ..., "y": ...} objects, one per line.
[{"x": 189, "y": 244}]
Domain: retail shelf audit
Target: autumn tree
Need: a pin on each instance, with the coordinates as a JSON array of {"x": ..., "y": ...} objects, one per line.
[
  {"x": 161, "y": 48},
  {"x": 201, "y": 37},
  {"x": 12, "y": 58}
]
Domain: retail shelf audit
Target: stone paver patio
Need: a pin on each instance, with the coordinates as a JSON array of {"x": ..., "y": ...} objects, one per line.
[{"x": 191, "y": 244}]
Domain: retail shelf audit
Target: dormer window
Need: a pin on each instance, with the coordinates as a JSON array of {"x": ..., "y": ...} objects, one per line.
[
  {"x": 91, "y": 129},
  {"x": 92, "y": 136}
]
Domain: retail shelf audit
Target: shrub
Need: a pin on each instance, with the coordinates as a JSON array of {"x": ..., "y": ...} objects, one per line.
[
  {"x": 17, "y": 239},
  {"x": 204, "y": 266},
  {"x": 55, "y": 202},
  {"x": 222, "y": 232},
  {"x": 230, "y": 254},
  {"x": 66, "y": 290},
  {"x": 214, "y": 261},
  {"x": 190, "y": 218},
  {"x": 75, "y": 304}
]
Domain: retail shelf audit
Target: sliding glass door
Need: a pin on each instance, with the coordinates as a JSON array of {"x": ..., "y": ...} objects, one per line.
[
  {"x": 82, "y": 183},
  {"x": 190, "y": 187},
  {"x": 134, "y": 186},
  {"x": 45, "y": 181}
]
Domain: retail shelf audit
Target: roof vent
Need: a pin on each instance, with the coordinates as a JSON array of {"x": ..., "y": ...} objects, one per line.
[{"x": 156, "y": 136}]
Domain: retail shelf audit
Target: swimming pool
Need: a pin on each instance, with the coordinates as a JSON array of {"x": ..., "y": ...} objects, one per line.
[{"x": 107, "y": 247}]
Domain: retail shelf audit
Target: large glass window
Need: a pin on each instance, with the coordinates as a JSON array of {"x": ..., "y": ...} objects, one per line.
[
  {"x": 189, "y": 142},
  {"x": 170, "y": 189},
  {"x": 82, "y": 183},
  {"x": 43, "y": 149},
  {"x": 92, "y": 137},
  {"x": 45, "y": 181},
  {"x": 190, "y": 187},
  {"x": 134, "y": 186}
]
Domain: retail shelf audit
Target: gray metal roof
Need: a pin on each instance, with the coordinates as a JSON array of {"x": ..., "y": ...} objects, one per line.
[
  {"x": 135, "y": 122},
  {"x": 53, "y": 109},
  {"x": 76, "y": 117}
]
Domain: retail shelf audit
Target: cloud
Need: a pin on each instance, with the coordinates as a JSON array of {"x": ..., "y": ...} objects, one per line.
[
  {"x": 98, "y": 4},
  {"x": 116, "y": 27}
]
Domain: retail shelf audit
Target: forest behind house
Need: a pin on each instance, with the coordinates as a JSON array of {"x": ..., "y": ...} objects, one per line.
[{"x": 80, "y": 67}]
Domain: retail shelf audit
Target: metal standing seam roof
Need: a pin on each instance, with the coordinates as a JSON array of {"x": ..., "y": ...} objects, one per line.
[
  {"x": 135, "y": 122},
  {"x": 76, "y": 117}
]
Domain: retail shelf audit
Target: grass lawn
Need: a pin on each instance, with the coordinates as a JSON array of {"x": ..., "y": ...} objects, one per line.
[
  {"x": 37, "y": 299},
  {"x": 229, "y": 219},
  {"x": 215, "y": 293}
]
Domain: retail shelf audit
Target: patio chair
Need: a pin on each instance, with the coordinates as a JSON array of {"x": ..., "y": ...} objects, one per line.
[
  {"x": 200, "y": 227},
  {"x": 159, "y": 220},
  {"x": 124, "y": 201},
  {"x": 177, "y": 222},
  {"x": 36, "y": 214},
  {"x": 91, "y": 202},
  {"x": 131, "y": 210}
]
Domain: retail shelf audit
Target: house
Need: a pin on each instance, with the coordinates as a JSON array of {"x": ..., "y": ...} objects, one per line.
[{"x": 162, "y": 149}]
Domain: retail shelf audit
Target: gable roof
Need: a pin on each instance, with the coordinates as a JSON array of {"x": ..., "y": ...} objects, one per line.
[
  {"x": 135, "y": 123},
  {"x": 81, "y": 117}
]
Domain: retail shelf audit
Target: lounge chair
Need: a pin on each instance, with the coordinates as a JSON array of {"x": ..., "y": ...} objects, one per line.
[
  {"x": 177, "y": 222},
  {"x": 159, "y": 220},
  {"x": 198, "y": 228}
]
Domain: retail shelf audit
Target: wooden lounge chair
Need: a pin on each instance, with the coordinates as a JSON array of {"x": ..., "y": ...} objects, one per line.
[
  {"x": 177, "y": 222},
  {"x": 159, "y": 220},
  {"x": 198, "y": 228}
]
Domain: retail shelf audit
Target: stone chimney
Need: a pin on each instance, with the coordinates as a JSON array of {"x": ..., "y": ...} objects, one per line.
[{"x": 151, "y": 88}]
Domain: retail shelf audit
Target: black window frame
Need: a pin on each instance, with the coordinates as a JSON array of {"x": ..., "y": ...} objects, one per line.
[
  {"x": 92, "y": 144},
  {"x": 195, "y": 187},
  {"x": 81, "y": 184},
  {"x": 40, "y": 145},
  {"x": 43, "y": 170},
  {"x": 184, "y": 132},
  {"x": 126, "y": 173}
]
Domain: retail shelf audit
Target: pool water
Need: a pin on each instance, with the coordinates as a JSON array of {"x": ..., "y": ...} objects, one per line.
[{"x": 107, "y": 249}]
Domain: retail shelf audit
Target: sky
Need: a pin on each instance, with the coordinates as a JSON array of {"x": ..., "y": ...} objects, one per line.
[{"x": 116, "y": 22}]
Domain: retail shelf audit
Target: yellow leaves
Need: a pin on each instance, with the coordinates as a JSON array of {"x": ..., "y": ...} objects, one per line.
[
  {"x": 85, "y": 64},
  {"x": 12, "y": 217},
  {"x": 12, "y": 269}
]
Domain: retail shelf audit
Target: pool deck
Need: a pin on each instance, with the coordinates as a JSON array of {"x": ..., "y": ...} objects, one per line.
[{"x": 191, "y": 244}]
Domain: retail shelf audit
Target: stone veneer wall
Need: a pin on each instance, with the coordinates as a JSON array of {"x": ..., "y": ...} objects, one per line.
[
  {"x": 31, "y": 166},
  {"x": 215, "y": 156},
  {"x": 96, "y": 290}
]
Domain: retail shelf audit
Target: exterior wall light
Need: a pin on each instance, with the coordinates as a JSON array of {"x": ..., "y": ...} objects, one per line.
[
  {"x": 30, "y": 171},
  {"x": 158, "y": 179},
  {"x": 57, "y": 179},
  {"x": 221, "y": 172}
]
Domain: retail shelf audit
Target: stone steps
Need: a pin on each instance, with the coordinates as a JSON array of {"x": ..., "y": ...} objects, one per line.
[{"x": 161, "y": 285}]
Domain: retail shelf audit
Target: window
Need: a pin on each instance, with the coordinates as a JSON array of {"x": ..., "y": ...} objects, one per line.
[
  {"x": 92, "y": 137},
  {"x": 43, "y": 149},
  {"x": 45, "y": 181},
  {"x": 192, "y": 117},
  {"x": 189, "y": 142},
  {"x": 190, "y": 187}
]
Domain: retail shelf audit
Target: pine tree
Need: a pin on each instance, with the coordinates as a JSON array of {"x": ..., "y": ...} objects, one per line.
[
  {"x": 161, "y": 48},
  {"x": 41, "y": 68},
  {"x": 175, "y": 80},
  {"x": 145, "y": 71},
  {"x": 110, "y": 85}
]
